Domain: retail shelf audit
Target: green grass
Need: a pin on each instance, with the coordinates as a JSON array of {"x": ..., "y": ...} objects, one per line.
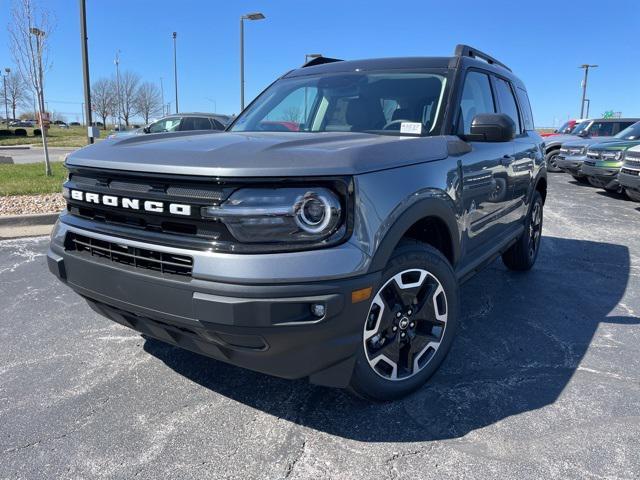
[
  {"x": 57, "y": 137},
  {"x": 29, "y": 179}
]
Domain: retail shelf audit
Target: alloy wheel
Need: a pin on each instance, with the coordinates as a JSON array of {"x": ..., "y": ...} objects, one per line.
[
  {"x": 406, "y": 324},
  {"x": 535, "y": 229}
]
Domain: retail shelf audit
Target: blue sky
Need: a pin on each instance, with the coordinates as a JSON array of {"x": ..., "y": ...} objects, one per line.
[{"x": 543, "y": 42}]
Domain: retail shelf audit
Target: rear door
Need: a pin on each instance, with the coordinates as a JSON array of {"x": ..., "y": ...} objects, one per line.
[
  {"x": 484, "y": 175},
  {"x": 519, "y": 170}
]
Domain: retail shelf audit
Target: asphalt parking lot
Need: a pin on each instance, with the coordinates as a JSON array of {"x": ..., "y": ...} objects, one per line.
[{"x": 543, "y": 380}]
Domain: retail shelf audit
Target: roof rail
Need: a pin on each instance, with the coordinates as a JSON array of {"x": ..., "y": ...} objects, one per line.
[
  {"x": 467, "y": 51},
  {"x": 320, "y": 60}
]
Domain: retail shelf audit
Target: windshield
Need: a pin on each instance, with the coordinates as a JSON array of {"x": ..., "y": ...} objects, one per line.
[
  {"x": 630, "y": 133},
  {"x": 391, "y": 103},
  {"x": 581, "y": 126},
  {"x": 565, "y": 128}
]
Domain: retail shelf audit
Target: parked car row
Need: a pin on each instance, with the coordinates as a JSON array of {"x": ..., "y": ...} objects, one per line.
[
  {"x": 609, "y": 162},
  {"x": 180, "y": 123}
]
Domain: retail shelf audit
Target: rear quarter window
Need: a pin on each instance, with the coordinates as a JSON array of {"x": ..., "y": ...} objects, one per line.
[{"x": 525, "y": 107}]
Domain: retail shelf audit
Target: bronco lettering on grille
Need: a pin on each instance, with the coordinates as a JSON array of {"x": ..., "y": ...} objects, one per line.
[{"x": 131, "y": 203}]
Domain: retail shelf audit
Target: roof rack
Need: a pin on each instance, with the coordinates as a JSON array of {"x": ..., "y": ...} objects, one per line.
[
  {"x": 467, "y": 51},
  {"x": 320, "y": 61}
]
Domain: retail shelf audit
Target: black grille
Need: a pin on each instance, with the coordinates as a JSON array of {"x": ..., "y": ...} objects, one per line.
[
  {"x": 628, "y": 171},
  {"x": 590, "y": 163},
  {"x": 162, "y": 262},
  {"x": 633, "y": 162}
]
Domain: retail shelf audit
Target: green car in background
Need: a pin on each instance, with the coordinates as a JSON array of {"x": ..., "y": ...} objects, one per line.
[{"x": 604, "y": 160}]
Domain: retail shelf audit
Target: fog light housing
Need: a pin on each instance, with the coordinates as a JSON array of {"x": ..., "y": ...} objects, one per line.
[{"x": 318, "y": 310}]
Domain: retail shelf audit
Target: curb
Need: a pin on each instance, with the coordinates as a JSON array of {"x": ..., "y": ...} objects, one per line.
[
  {"x": 29, "y": 220},
  {"x": 15, "y": 147}
]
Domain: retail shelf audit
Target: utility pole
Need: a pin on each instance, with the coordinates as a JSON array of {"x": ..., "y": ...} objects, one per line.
[
  {"x": 175, "y": 68},
  {"x": 117, "y": 62},
  {"x": 85, "y": 72},
  {"x": 39, "y": 34},
  {"x": 586, "y": 68},
  {"x": 248, "y": 16},
  {"x": 7, "y": 71},
  {"x": 162, "y": 95}
]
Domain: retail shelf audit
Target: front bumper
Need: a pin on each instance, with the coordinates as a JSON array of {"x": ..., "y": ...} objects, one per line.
[
  {"x": 570, "y": 163},
  {"x": 266, "y": 327},
  {"x": 629, "y": 178},
  {"x": 605, "y": 176}
]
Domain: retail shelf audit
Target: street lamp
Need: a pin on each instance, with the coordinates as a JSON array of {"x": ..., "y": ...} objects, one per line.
[
  {"x": 175, "y": 68},
  {"x": 39, "y": 34},
  {"x": 586, "y": 68},
  {"x": 6, "y": 105},
  {"x": 117, "y": 62},
  {"x": 248, "y": 16}
]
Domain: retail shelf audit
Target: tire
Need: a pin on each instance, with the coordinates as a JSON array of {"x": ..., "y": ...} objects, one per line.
[
  {"x": 419, "y": 298},
  {"x": 522, "y": 255},
  {"x": 550, "y": 159},
  {"x": 595, "y": 183},
  {"x": 633, "y": 194},
  {"x": 581, "y": 179}
]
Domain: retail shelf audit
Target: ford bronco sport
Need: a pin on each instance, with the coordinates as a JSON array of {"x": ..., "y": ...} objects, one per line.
[{"x": 331, "y": 251}]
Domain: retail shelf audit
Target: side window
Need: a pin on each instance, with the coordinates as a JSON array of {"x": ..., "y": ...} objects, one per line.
[
  {"x": 507, "y": 101},
  {"x": 476, "y": 98},
  {"x": 165, "y": 125},
  {"x": 525, "y": 107},
  {"x": 601, "y": 129},
  {"x": 187, "y": 124},
  {"x": 201, "y": 123},
  {"x": 216, "y": 124}
]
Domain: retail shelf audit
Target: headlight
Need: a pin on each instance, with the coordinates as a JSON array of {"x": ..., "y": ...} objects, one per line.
[
  {"x": 258, "y": 215},
  {"x": 583, "y": 151},
  {"x": 619, "y": 155}
]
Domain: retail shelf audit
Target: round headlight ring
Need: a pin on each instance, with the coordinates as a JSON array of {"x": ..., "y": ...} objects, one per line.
[{"x": 330, "y": 209}]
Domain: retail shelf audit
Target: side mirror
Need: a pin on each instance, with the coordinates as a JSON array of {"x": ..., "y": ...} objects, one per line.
[
  {"x": 146, "y": 129},
  {"x": 492, "y": 127}
]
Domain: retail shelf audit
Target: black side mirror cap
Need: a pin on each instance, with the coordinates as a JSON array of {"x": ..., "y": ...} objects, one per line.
[
  {"x": 492, "y": 127},
  {"x": 146, "y": 130}
]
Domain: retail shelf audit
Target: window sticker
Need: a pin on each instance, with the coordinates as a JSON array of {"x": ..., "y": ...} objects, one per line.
[{"x": 411, "y": 127}]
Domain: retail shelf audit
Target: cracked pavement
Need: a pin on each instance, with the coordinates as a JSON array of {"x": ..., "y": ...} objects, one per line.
[{"x": 543, "y": 380}]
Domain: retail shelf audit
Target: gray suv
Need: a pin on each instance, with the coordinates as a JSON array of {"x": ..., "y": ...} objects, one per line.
[{"x": 323, "y": 235}]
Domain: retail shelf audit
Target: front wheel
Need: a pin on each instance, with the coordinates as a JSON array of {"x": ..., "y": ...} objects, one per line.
[
  {"x": 410, "y": 324},
  {"x": 552, "y": 161},
  {"x": 522, "y": 255},
  {"x": 633, "y": 194}
]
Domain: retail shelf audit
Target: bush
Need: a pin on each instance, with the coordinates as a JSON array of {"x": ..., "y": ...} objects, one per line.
[
  {"x": 37, "y": 132},
  {"x": 6, "y": 133},
  {"x": 20, "y": 132}
]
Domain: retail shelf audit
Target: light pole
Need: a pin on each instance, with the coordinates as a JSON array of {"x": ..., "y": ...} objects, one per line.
[
  {"x": 39, "y": 34},
  {"x": 215, "y": 104},
  {"x": 248, "y": 16},
  {"x": 175, "y": 68},
  {"x": 162, "y": 95},
  {"x": 7, "y": 71},
  {"x": 117, "y": 62},
  {"x": 85, "y": 72},
  {"x": 586, "y": 68}
]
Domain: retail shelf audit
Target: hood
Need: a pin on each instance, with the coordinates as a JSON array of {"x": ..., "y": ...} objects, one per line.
[
  {"x": 264, "y": 154},
  {"x": 584, "y": 142},
  {"x": 615, "y": 145}
]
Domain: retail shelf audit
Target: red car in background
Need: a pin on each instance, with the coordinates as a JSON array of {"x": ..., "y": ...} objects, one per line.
[{"x": 567, "y": 127}]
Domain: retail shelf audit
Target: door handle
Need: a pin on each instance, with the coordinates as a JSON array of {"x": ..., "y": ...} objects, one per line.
[{"x": 507, "y": 160}]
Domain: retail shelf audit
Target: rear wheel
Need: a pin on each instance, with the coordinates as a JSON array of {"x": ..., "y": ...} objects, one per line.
[
  {"x": 552, "y": 161},
  {"x": 522, "y": 255},
  {"x": 410, "y": 324}
]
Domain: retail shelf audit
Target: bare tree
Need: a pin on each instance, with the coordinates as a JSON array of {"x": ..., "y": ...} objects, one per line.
[
  {"x": 129, "y": 82},
  {"x": 29, "y": 32},
  {"x": 103, "y": 99},
  {"x": 17, "y": 94},
  {"x": 148, "y": 101},
  {"x": 292, "y": 114}
]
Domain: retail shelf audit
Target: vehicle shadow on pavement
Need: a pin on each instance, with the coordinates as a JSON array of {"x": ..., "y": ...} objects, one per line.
[{"x": 521, "y": 339}]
